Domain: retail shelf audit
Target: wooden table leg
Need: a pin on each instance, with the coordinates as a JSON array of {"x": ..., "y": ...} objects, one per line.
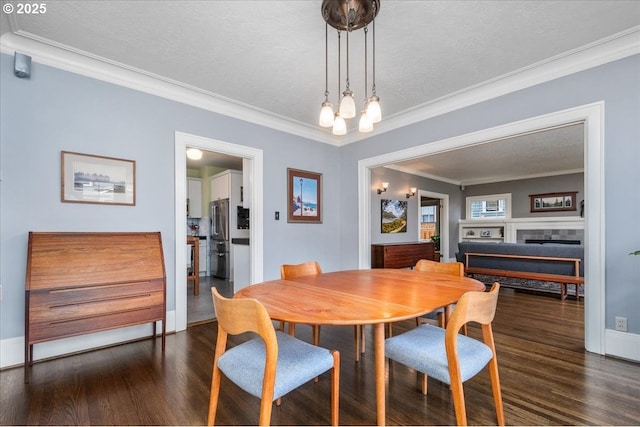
[
  {"x": 378, "y": 340},
  {"x": 447, "y": 315}
]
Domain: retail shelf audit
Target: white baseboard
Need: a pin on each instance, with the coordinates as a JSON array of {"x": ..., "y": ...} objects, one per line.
[
  {"x": 12, "y": 349},
  {"x": 622, "y": 344}
]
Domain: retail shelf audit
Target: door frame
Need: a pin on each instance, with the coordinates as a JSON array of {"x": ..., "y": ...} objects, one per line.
[
  {"x": 253, "y": 161},
  {"x": 592, "y": 115},
  {"x": 443, "y": 218}
]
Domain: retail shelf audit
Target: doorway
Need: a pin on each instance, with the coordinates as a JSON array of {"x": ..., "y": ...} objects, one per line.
[
  {"x": 253, "y": 165},
  {"x": 434, "y": 220},
  {"x": 592, "y": 115},
  {"x": 216, "y": 268}
]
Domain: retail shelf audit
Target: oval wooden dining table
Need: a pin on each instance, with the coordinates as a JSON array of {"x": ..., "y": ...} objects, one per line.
[{"x": 361, "y": 297}]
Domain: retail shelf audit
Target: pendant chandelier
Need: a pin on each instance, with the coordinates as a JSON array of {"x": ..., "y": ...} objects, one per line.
[{"x": 347, "y": 16}]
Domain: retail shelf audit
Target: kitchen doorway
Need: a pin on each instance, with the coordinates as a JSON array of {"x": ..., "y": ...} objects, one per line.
[
  {"x": 214, "y": 266},
  {"x": 252, "y": 161}
]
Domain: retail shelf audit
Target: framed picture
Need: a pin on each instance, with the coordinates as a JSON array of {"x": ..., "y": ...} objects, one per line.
[
  {"x": 393, "y": 216},
  {"x": 553, "y": 202},
  {"x": 97, "y": 179},
  {"x": 305, "y": 196}
]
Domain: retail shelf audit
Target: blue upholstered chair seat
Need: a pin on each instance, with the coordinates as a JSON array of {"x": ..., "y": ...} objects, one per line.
[
  {"x": 423, "y": 349},
  {"x": 298, "y": 362}
]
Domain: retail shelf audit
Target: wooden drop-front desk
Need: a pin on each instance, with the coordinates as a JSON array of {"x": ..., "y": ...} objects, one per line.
[
  {"x": 401, "y": 255},
  {"x": 80, "y": 283}
]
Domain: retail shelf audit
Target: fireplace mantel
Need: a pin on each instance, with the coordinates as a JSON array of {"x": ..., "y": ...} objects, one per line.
[{"x": 507, "y": 229}]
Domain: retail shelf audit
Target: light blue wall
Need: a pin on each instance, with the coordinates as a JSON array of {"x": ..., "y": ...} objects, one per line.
[
  {"x": 618, "y": 85},
  {"x": 56, "y": 110}
]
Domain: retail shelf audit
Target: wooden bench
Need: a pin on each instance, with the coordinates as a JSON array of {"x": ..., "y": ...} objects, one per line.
[
  {"x": 80, "y": 283},
  {"x": 562, "y": 279}
]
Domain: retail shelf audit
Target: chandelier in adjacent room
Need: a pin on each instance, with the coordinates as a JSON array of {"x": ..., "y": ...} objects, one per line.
[{"x": 347, "y": 16}]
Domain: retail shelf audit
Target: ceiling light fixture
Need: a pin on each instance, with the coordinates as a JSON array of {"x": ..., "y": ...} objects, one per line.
[
  {"x": 194, "y": 153},
  {"x": 349, "y": 15}
]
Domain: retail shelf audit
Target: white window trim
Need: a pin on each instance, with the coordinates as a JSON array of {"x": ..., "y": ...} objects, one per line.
[{"x": 505, "y": 196}]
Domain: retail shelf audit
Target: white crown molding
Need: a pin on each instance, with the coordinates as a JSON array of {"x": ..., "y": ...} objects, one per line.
[
  {"x": 488, "y": 180},
  {"x": 609, "y": 49},
  {"x": 49, "y": 53},
  {"x": 423, "y": 175},
  {"x": 59, "y": 56}
]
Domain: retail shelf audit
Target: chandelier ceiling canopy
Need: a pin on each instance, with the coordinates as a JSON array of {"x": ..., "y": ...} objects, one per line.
[{"x": 347, "y": 16}]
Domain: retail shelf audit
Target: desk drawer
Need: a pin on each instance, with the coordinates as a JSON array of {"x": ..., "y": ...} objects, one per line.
[
  {"x": 54, "y": 328},
  {"x": 57, "y": 313}
]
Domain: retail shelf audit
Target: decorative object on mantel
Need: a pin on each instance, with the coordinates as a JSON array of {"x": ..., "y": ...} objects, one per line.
[
  {"x": 393, "y": 216},
  {"x": 348, "y": 16},
  {"x": 88, "y": 178},
  {"x": 553, "y": 202},
  {"x": 305, "y": 196}
]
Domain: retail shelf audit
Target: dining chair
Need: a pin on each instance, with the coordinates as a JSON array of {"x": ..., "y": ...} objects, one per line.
[
  {"x": 291, "y": 271},
  {"x": 268, "y": 366},
  {"x": 453, "y": 268},
  {"x": 451, "y": 357}
]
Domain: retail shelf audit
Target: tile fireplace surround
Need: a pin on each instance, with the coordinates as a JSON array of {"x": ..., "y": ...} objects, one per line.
[{"x": 517, "y": 230}]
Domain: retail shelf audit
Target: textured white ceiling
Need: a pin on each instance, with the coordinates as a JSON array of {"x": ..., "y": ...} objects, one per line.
[{"x": 269, "y": 55}]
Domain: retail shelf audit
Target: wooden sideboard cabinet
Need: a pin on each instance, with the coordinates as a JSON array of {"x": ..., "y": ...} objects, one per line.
[
  {"x": 401, "y": 255},
  {"x": 79, "y": 283}
]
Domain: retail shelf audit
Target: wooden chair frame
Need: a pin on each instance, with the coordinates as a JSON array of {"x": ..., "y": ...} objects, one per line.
[
  {"x": 477, "y": 307},
  {"x": 237, "y": 316}
]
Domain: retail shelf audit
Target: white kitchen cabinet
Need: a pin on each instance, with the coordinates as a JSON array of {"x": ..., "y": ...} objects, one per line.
[
  {"x": 194, "y": 198},
  {"x": 202, "y": 260},
  {"x": 220, "y": 186},
  {"x": 241, "y": 266}
]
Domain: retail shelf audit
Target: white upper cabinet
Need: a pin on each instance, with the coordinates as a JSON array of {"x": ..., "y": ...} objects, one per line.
[
  {"x": 194, "y": 197},
  {"x": 220, "y": 186}
]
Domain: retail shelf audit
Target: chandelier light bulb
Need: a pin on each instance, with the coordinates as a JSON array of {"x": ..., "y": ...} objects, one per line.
[
  {"x": 365, "y": 124},
  {"x": 326, "y": 115},
  {"x": 347, "y": 105},
  {"x": 339, "y": 125},
  {"x": 373, "y": 109}
]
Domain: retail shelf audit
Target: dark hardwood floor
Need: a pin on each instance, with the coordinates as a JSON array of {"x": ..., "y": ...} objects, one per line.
[{"x": 547, "y": 379}]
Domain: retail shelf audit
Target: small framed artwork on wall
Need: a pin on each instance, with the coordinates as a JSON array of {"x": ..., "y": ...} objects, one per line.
[
  {"x": 87, "y": 178},
  {"x": 553, "y": 202},
  {"x": 304, "y": 191},
  {"x": 393, "y": 216}
]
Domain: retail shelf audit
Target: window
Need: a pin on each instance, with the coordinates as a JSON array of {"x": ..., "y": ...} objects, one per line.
[
  {"x": 429, "y": 221},
  {"x": 492, "y": 206},
  {"x": 428, "y": 213}
]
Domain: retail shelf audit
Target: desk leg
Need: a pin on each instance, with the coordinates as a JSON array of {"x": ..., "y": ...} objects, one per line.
[{"x": 378, "y": 339}]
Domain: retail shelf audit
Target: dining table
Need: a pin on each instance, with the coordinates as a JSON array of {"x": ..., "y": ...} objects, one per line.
[{"x": 361, "y": 297}]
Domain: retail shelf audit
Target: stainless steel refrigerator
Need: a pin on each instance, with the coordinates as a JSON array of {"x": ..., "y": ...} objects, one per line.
[{"x": 219, "y": 242}]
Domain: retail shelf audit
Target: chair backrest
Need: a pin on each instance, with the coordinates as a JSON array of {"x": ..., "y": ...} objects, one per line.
[
  {"x": 453, "y": 268},
  {"x": 291, "y": 271},
  {"x": 473, "y": 307},
  {"x": 239, "y": 315}
]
